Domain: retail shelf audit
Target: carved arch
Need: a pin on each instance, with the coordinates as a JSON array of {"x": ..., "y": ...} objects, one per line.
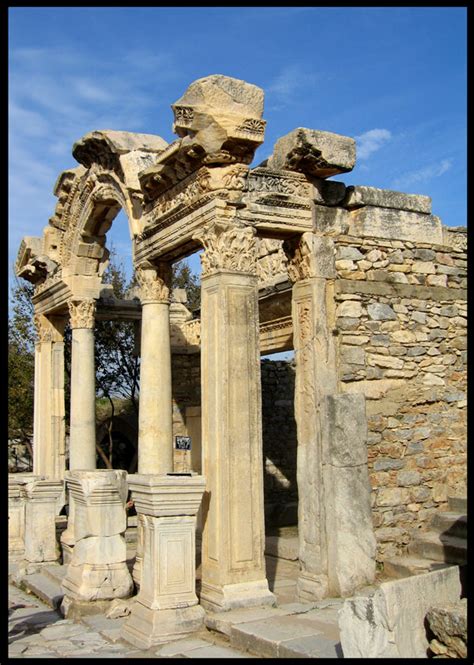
[{"x": 88, "y": 214}]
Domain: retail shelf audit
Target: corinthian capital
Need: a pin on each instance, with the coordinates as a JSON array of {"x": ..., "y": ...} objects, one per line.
[
  {"x": 227, "y": 248},
  {"x": 309, "y": 256},
  {"x": 82, "y": 313},
  {"x": 154, "y": 281}
]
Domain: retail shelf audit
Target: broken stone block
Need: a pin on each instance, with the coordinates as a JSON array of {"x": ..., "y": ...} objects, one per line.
[
  {"x": 219, "y": 113},
  {"x": 391, "y": 622},
  {"x": 449, "y": 623},
  {"x": 358, "y": 196},
  {"x": 314, "y": 152},
  {"x": 98, "y": 569}
]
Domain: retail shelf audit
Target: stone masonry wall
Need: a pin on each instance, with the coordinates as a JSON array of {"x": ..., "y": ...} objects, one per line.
[{"x": 401, "y": 330}]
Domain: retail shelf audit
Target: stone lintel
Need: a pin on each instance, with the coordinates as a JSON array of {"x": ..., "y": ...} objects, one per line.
[
  {"x": 358, "y": 196},
  {"x": 394, "y": 224},
  {"x": 436, "y": 293},
  {"x": 165, "y": 496}
]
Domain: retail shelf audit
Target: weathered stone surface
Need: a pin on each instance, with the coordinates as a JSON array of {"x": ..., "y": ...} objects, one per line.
[
  {"x": 395, "y": 224},
  {"x": 349, "y": 527},
  {"x": 381, "y": 312},
  {"x": 358, "y": 196},
  {"x": 311, "y": 151},
  {"x": 448, "y": 622},
  {"x": 390, "y": 624}
]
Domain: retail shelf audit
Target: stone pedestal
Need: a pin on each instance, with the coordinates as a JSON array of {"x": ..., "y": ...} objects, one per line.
[
  {"x": 40, "y": 520},
  {"x": 233, "y": 564},
  {"x": 166, "y": 606},
  {"x": 16, "y": 515},
  {"x": 98, "y": 569}
]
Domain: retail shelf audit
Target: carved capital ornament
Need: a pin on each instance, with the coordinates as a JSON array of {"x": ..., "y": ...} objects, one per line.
[
  {"x": 154, "y": 282},
  {"x": 82, "y": 313},
  {"x": 227, "y": 248}
]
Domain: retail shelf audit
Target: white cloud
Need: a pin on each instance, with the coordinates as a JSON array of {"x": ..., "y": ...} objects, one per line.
[
  {"x": 371, "y": 141},
  {"x": 423, "y": 174},
  {"x": 286, "y": 86}
]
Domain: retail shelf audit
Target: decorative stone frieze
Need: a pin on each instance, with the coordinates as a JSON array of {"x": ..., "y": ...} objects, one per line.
[
  {"x": 166, "y": 606},
  {"x": 154, "y": 281},
  {"x": 98, "y": 568},
  {"x": 228, "y": 248},
  {"x": 82, "y": 313}
]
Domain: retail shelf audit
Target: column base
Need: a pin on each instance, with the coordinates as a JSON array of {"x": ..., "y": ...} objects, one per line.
[
  {"x": 312, "y": 587},
  {"x": 232, "y": 596},
  {"x": 74, "y": 609},
  {"x": 97, "y": 582},
  {"x": 146, "y": 627}
]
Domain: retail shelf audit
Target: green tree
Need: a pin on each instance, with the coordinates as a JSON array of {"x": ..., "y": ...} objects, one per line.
[{"x": 21, "y": 366}]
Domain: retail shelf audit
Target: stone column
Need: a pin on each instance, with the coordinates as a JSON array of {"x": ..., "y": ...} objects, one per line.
[
  {"x": 40, "y": 519},
  {"x": 336, "y": 541},
  {"x": 155, "y": 418},
  {"x": 233, "y": 564},
  {"x": 166, "y": 607},
  {"x": 98, "y": 569},
  {"x": 155, "y": 424},
  {"x": 49, "y": 409},
  {"x": 82, "y": 451}
]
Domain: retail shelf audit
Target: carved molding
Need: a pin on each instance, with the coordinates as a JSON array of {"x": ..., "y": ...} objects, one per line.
[
  {"x": 82, "y": 313},
  {"x": 48, "y": 330},
  {"x": 227, "y": 248},
  {"x": 301, "y": 257},
  {"x": 263, "y": 180},
  {"x": 154, "y": 282}
]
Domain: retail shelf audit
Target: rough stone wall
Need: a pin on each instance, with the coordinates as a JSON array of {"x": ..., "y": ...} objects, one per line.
[
  {"x": 279, "y": 442},
  {"x": 401, "y": 330}
]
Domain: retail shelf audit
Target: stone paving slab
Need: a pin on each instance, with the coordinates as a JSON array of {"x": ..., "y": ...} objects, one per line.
[
  {"x": 223, "y": 621},
  {"x": 214, "y": 651},
  {"x": 265, "y": 637},
  {"x": 313, "y": 646}
]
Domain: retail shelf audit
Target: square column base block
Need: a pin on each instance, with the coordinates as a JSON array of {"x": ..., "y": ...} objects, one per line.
[
  {"x": 232, "y": 596},
  {"x": 74, "y": 609},
  {"x": 146, "y": 627},
  {"x": 314, "y": 587},
  {"x": 67, "y": 552},
  {"x": 97, "y": 581}
]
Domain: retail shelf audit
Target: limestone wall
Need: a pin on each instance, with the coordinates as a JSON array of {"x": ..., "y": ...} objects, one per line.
[{"x": 401, "y": 330}]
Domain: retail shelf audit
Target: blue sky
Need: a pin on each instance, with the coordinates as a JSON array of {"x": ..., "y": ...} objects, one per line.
[{"x": 395, "y": 79}]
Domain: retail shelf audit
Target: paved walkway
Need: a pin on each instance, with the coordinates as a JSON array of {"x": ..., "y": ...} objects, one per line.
[
  {"x": 37, "y": 631},
  {"x": 288, "y": 630}
]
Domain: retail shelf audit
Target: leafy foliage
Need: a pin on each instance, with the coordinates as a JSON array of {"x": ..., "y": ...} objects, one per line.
[{"x": 21, "y": 366}]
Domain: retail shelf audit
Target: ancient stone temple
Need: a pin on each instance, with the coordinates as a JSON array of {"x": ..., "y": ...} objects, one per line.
[{"x": 366, "y": 285}]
